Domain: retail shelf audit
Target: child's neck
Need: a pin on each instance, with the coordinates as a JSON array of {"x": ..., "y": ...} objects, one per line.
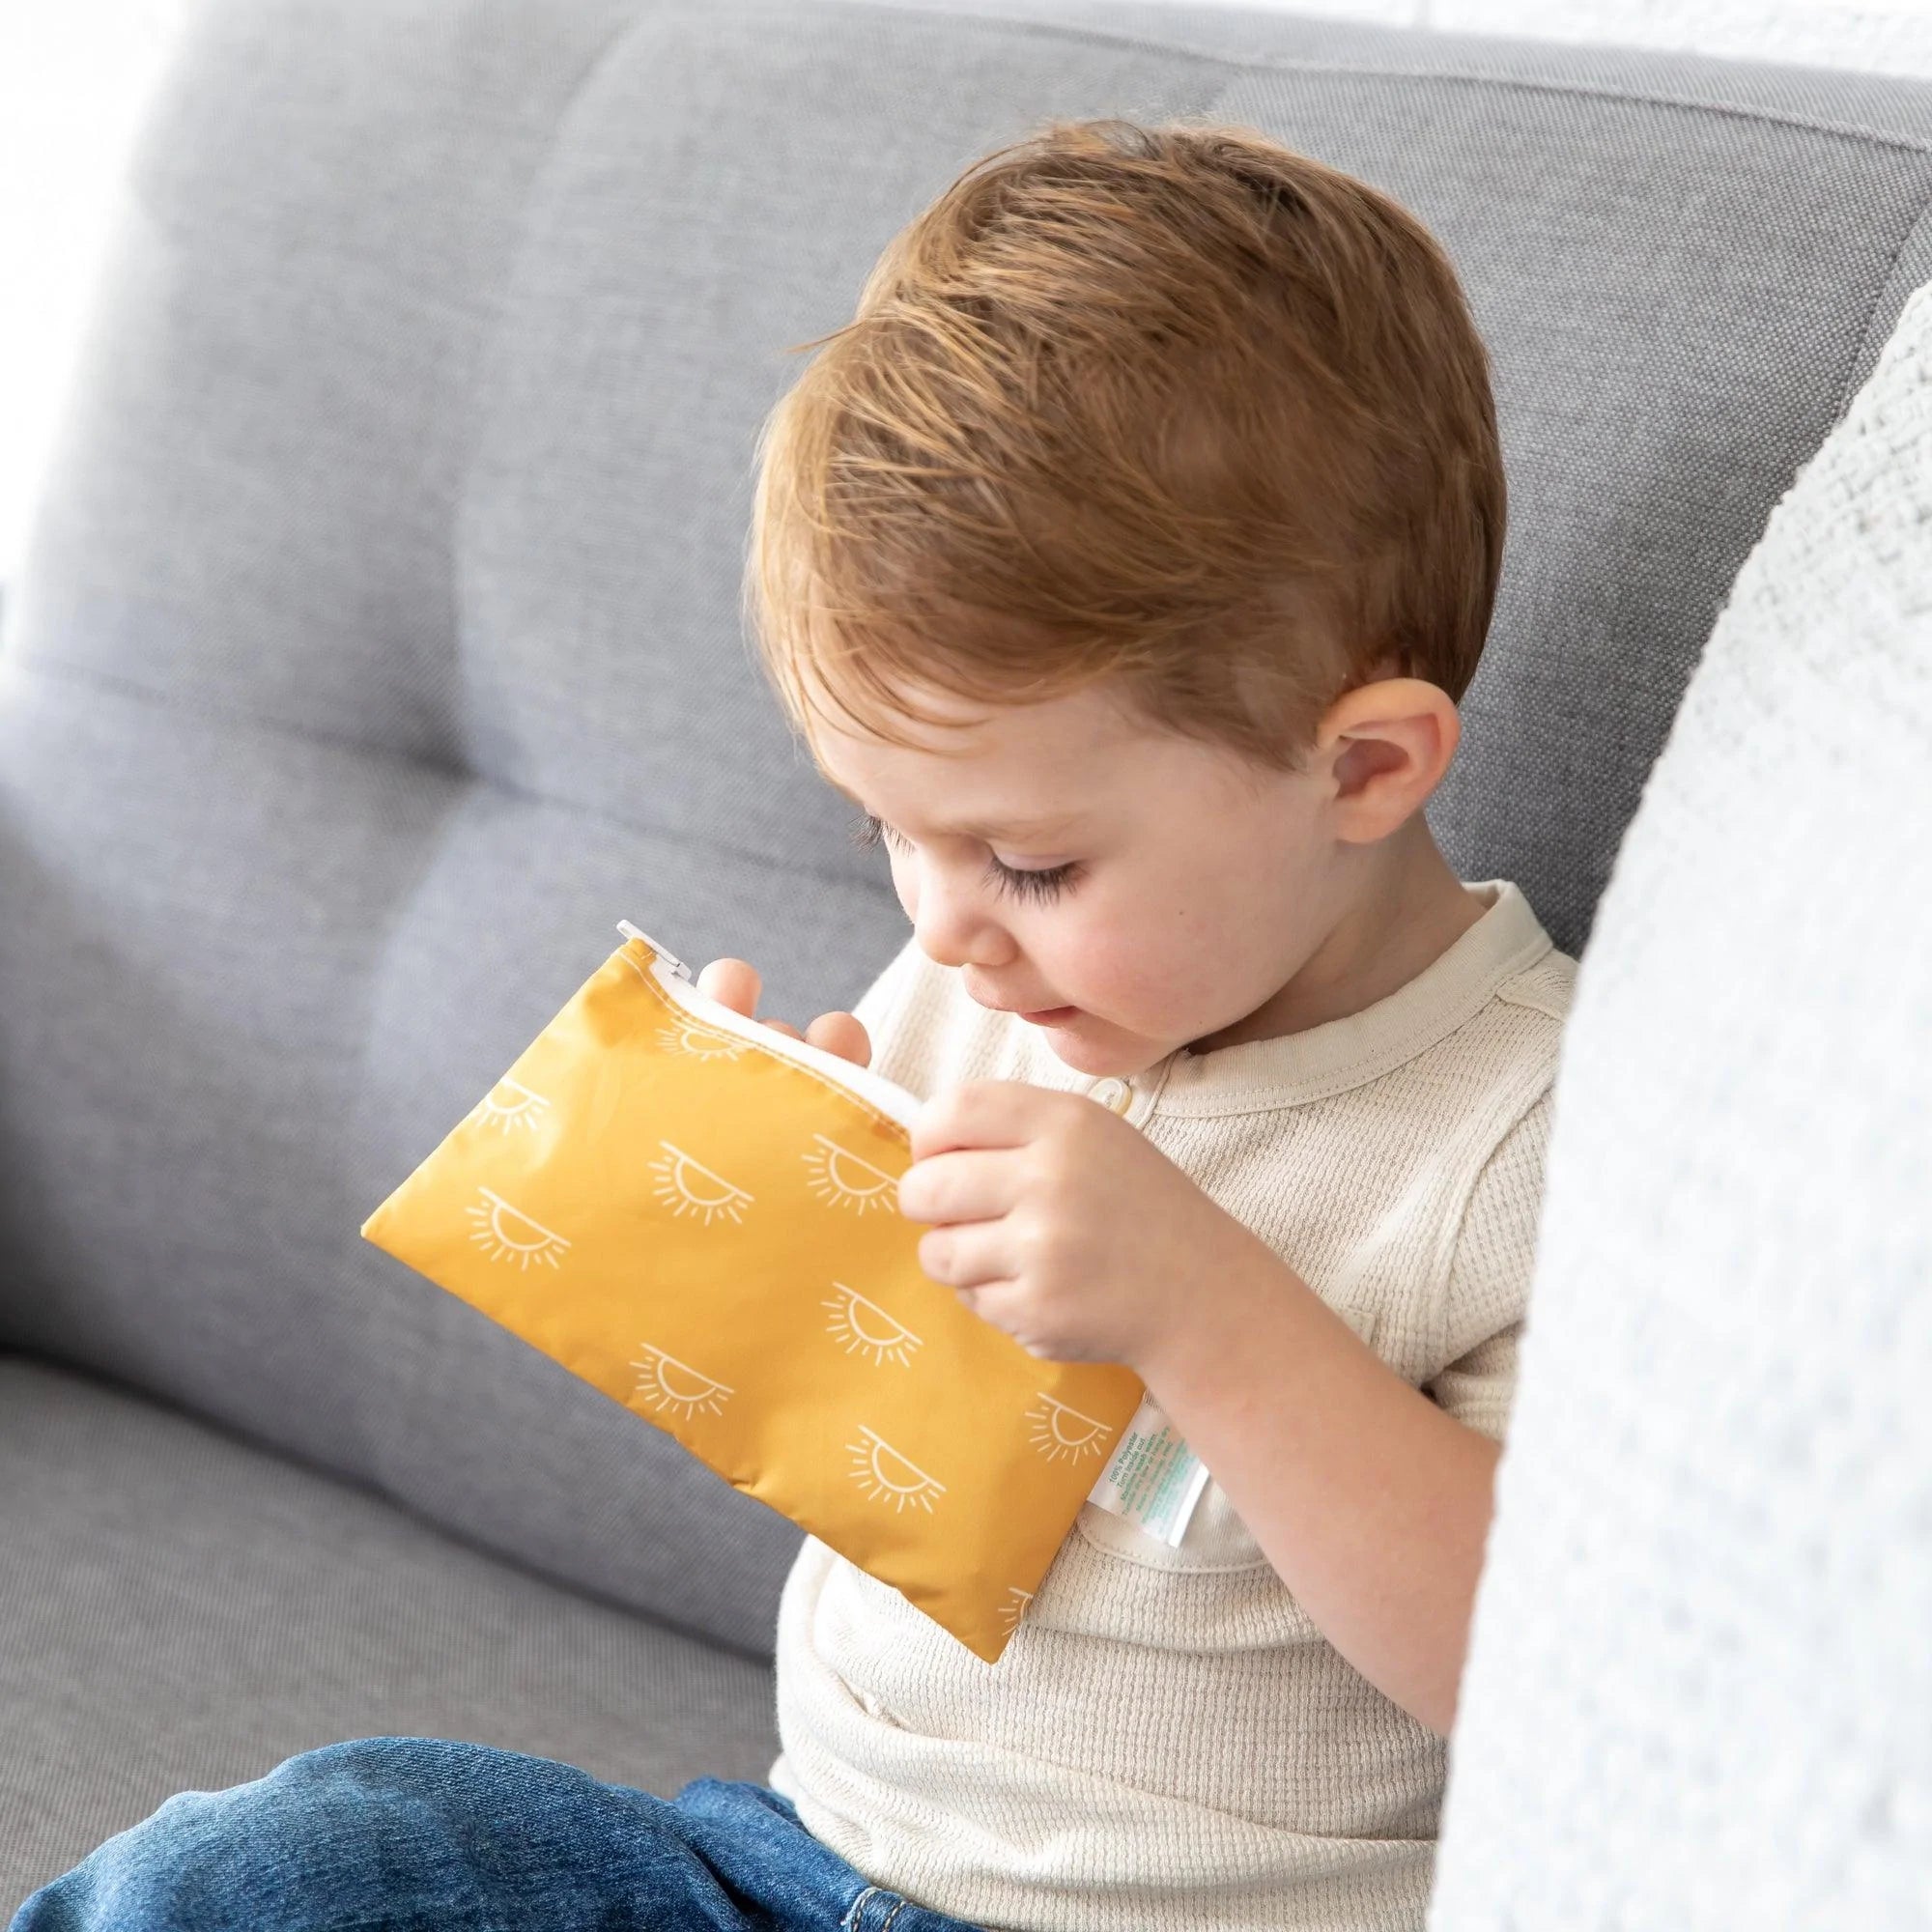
[{"x": 1406, "y": 908}]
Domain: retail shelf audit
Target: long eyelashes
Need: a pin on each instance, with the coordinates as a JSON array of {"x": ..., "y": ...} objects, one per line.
[{"x": 1047, "y": 883}]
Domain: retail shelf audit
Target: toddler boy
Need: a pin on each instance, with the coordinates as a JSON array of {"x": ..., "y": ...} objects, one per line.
[{"x": 1125, "y": 558}]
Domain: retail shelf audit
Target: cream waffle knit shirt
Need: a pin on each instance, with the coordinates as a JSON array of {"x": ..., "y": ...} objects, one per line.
[{"x": 1169, "y": 1743}]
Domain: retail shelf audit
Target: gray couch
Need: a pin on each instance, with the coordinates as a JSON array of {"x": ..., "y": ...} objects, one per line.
[{"x": 376, "y": 650}]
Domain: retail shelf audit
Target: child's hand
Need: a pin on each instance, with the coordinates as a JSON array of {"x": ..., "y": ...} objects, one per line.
[
  {"x": 736, "y": 984},
  {"x": 1060, "y": 1223}
]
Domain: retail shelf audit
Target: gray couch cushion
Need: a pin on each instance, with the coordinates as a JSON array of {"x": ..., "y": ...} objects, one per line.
[
  {"x": 181, "y": 1611},
  {"x": 377, "y": 647}
]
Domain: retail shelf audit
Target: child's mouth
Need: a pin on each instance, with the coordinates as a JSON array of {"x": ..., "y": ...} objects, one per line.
[{"x": 1050, "y": 1015}]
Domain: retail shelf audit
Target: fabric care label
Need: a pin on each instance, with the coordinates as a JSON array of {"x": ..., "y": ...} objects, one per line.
[{"x": 1153, "y": 1479}]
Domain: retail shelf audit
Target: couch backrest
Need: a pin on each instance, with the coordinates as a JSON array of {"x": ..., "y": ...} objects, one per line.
[{"x": 377, "y": 647}]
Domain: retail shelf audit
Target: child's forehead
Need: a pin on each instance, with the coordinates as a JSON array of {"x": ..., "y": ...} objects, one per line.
[
  {"x": 1028, "y": 767},
  {"x": 946, "y": 800},
  {"x": 937, "y": 732}
]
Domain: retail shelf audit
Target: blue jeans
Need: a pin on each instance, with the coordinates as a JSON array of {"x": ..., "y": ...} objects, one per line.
[{"x": 424, "y": 1834}]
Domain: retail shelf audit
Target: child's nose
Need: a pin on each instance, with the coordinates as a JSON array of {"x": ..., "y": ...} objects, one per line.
[{"x": 953, "y": 930}]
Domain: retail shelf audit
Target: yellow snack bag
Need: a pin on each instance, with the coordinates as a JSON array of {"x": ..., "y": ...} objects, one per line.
[{"x": 700, "y": 1216}]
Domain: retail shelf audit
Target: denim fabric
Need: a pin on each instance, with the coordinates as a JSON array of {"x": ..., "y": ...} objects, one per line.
[{"x": 425, "y": 1834}]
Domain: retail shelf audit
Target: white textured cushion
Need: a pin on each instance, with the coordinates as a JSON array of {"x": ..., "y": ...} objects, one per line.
[{"x": 1699, "y": 1690}]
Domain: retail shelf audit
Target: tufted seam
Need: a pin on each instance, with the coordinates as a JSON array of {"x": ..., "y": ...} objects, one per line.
[
  {"x": 1879, "y": 324},
  {"x": 58, "y": 670},
  {"x": 488, "y": 349}
]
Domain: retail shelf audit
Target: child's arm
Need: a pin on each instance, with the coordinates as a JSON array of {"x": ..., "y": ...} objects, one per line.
[
  {"x": 1372, "y": 1504},
  {"x": 1062, "y": 1225}
]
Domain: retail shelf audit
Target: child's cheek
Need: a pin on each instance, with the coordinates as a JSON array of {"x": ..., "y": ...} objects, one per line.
[{"x": 1122, "y": 975}]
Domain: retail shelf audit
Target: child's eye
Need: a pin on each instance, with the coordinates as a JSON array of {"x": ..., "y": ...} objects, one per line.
[
  {"x": 869, "y": 831},
  {"x": 1046, "y": 884}
]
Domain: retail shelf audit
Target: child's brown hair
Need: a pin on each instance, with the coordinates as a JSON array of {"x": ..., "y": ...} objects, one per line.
[{"x": 1172, "y": 406}]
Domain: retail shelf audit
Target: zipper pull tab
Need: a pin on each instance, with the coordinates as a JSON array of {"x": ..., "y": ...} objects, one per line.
[{"x": 669, "y": 959}]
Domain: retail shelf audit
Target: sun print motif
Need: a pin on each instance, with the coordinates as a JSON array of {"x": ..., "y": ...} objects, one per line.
[
  {"x": 687, "y": 1036},
  {"x": 884, "y": 1474},
  {"x": 1061, "y": 1429},
  {"x": 687, "y": 1187},
  {"x": 665, "y": 1382},
  {"x": 861, "y": 1326},
  {"x": 523, "y": 1106},
  {"x": 841, "y": 1179},
  {"x": 507, "y": 1233},
  {"x": 1014, "y": 1607}
]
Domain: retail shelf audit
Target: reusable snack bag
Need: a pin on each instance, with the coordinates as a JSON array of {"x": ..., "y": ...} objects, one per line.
[{"x": 698, "y": 1216}]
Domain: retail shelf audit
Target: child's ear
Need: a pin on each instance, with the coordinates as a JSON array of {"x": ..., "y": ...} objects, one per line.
[{"x": 1385, "y": 747}]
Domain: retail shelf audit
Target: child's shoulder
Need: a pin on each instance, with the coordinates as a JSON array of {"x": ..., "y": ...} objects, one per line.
[
  {"x": 1507, "y": 1017},
  {"x": 1511, "y": 949},
  {"x": 1547, "y": 985}
]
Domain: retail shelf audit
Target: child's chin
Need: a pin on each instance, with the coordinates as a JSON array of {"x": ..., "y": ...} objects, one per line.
[
  {"x": 1097, "y": 1059},
  {"x": 1070, "y": 1050}
]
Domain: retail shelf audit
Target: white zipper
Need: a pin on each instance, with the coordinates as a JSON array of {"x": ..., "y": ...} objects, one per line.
[
  {"x": 674, "y": 977},
  {"x": 663, "y": 952}
]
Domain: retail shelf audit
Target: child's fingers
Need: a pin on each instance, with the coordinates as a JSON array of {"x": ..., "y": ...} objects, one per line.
[
  {"x": 843, "y": 1034},
  {"x": 736, "y": 983},
  {"x": 733, "y": 983}
]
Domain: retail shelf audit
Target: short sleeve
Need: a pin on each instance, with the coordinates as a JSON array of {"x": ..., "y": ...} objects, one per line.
[{"x": 1485, "y": 1300}]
